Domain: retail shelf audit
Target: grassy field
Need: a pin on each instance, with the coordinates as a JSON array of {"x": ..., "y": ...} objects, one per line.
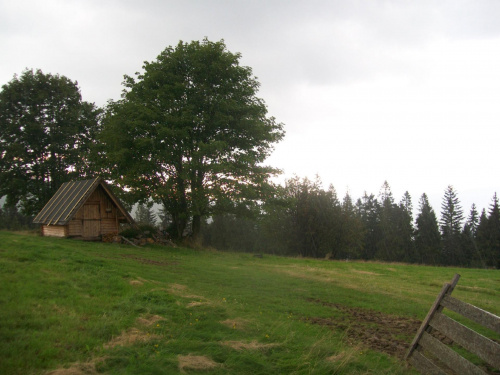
[{"x": 70, "y": 307}]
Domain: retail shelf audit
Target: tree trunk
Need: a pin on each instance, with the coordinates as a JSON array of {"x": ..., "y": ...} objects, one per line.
[
  {"x": 181, "y": 215},
  {"x": 196, "y": 227}
]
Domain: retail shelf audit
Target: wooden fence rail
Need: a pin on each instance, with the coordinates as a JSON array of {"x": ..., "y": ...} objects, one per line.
[{"x": 430, "y": 355}]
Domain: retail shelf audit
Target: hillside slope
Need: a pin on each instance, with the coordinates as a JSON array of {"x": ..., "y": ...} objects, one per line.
[{"x": 70, "y": 307}]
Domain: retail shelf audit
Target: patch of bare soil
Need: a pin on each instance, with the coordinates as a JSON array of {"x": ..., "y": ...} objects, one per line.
[
  {"x": 385, "y": 333},
  {"x": 182, "y": 291},
  {"x": 150, "y": 320},
  {"x": 130, "y": 337},
  {"x": 148, "y": 261},
  {"x": 345, "y": 356},
  {"x": 148, "y": 281},
  {"x": 86, "y": 368},
  {"x": 336, "y": 358},
  {"x": 366, "y": 272},
  {"x": 197, "y": 303},
  {"x": 237, "y": 323},
  {"x": 195, "y": 362},
  {"x": 252, "y": 345},
  {"x": 178, "y": 287},
  {"x": 135, "y": 282}
]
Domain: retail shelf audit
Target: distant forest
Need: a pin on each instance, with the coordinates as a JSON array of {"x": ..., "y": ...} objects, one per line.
[
  {"x": 190, "y": 135},
  {"x": 303, "y": 219}
]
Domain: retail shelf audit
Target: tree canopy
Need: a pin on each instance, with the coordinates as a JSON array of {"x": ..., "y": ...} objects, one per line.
[
  {"x": 45, "y": 132},
  {"x": 191, "y": 133}
]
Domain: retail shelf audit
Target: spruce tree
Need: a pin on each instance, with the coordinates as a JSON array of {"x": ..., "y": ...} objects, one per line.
[
  {"x": 395, "y": 228},
  {"x": 405, "y": 230},
  {"x": 493, "y": 234},
  {"x": 368, "y": 209},
  {"x": 471, "y": 251},
  {"x": 482, "y": 236},
  {"x": 488, "y": 234},
  {"x": 473, "y": 220},
  {"x": 451, "y": 228},
  {"x": 351, "y": 242},
  {"x": 385, "y": 247},
  {"x": 144, "y": 215},
  {"x": 427, "y": 236}
]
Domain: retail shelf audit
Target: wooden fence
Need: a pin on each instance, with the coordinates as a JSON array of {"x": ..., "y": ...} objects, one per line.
[{"x": 430, "y": 355}]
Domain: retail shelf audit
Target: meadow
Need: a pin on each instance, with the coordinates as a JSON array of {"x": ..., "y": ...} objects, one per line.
[{"x": 70, "y": 307}]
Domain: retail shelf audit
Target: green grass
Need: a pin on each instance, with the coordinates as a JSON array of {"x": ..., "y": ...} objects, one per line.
[{"x": 66, "y": 303}]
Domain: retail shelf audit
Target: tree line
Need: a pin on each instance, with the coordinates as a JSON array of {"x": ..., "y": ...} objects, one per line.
[
  {"x": 302, "y": 219},
  {"x": 190, "y": 134}
]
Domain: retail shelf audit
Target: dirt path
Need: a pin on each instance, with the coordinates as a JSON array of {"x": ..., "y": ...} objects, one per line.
[{"x": 385, "y": 333}]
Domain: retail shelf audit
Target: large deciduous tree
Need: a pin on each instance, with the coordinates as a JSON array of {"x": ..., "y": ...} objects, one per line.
[
  {"x": 191, "y": 133},
  {"x": 45, "y": 133}
]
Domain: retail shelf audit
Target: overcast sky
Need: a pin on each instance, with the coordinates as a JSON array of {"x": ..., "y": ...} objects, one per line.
[{"x": 403, "y": 91}]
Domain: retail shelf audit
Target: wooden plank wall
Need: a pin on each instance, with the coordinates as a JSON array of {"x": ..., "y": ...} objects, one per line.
[
  {"x": 106, "y": 214},
  {"x": 109, "y": 226},
  {"x": 75, "y": 227},
  {"x": 108, "y": 209},
  {"x": 431, "y": 356},
  {"x": 54, "y": 230}
]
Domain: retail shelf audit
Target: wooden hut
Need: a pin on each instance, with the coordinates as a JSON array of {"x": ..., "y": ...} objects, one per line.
[{"x": 86, "y": 209}]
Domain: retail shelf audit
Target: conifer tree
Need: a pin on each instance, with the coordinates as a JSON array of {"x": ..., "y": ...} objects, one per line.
[
  {"x": 473, "y": 220},
  {"x": 328, "y": 221},
  {"x": 405, "y": 230},
  {"x": 471, "y": 251},
  {"x": 390, "y": 246},
  {"x": 427, "y": 236},
  {"x": 482, "y": 235},
  {"x": 494, "y": 225},
  {"x": 144, "y": 215},
  {"x": 368, "y": 208},
  {"x": 488, "y": 234},
  {"x": 351, "y": 230},
  {"x": 451, "y": 228},
  {"x": 383, "y": 247}
]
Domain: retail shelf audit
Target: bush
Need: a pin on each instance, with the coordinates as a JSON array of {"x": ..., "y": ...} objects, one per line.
[{"x": 141, "y": 231}]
